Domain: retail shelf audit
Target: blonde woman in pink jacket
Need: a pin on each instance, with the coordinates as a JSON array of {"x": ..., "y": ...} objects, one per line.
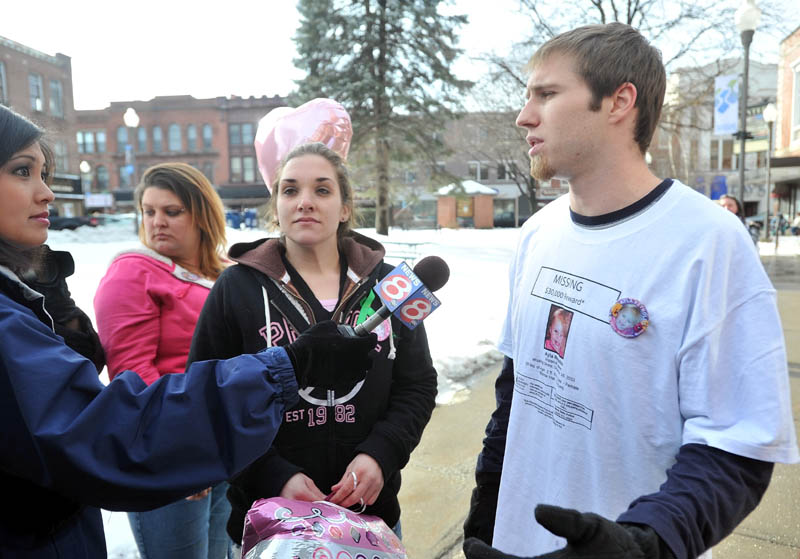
[{"x": 146, "y": 308}]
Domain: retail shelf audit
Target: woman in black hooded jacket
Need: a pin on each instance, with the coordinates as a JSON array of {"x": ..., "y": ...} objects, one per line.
[{"x": 348, "y": 443}]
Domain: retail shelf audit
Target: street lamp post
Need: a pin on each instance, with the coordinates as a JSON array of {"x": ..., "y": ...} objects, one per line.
[
  {"x": 770, "y": 116},
  {"x": 86, "y": 185},
  {"x": 131, "y": 120},
  {"x": 747, "y": 17}
]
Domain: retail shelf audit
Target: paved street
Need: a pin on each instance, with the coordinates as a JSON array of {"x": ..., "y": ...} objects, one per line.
[{"x": 439, "y": 477}]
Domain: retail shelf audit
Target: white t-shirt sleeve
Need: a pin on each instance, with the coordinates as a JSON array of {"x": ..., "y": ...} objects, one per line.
[
  {"x": 733, "y": 377},
  {"x": 734, "y": 384}
]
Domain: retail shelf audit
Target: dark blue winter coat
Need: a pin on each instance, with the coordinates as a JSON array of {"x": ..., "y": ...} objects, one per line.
[{"x": 69, "y": 445}]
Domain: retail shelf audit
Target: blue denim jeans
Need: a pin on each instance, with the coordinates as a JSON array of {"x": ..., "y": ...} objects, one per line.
[{"x": 184, "y": 529}]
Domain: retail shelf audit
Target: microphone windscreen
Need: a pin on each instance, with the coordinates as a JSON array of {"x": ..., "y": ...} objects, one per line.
[{"x": 433, "y": 271}]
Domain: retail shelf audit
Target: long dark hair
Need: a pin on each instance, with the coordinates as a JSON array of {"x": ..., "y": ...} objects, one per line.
[{"x": 16, "y": 134}]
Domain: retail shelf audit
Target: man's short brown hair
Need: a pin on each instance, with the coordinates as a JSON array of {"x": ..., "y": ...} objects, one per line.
[{"x": 607, "y": 56}]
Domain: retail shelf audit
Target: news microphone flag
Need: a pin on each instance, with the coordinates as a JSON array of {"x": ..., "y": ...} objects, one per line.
[{"x": 406, "y": 297}]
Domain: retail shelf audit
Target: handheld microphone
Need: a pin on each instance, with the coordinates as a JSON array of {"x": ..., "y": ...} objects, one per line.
[{"x": 406, "y": 294}]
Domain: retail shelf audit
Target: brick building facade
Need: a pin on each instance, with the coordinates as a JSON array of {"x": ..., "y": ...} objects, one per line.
[
  {"x": 39, "y": 86},
  {"x": 786, "y": 163},
  {"x": 214, "y": 135}
]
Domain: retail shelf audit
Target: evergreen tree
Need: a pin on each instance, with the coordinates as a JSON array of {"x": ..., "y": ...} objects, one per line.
[{"x": 388, "y": 62}]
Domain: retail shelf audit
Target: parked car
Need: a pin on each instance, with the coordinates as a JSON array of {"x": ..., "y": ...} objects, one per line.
[
  {"x": 506, "y": 219},
  {"x": 58, "y": 222},
  {"x": 122, "y": 219}
]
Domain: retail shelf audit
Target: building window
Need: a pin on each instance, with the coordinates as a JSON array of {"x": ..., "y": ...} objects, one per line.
[
  {"x": 141, "y": 139},
  {"x": 102, "y": 178},
  {"x": 478, "y": 171},
  {"x": 235, "y": 134},
  {"x": 247, "y": 134},
  {"x": 727, "y": 154},
  {"x": 191, "y": 137},
  {"x": 3, "y": 84},
  {"x": 158, "y": 140},
  {"x": 714, "y": 160},
  {"x": 208, "y": 171},
  {"x": 236, "y": 169},
  {"x": 501, "y": 171},
  {"x": 36, "y": 91},
  {"x": 249, "y": 169},
  {"x": 174, "y": 137},
  {"x": 88, "y": 142},
  {"x": 207, "y": 136},
  {"x": 694, "y": 148},
  {"x": 122, "y": 139},
  {"x": 410, "y": 177},
  {"x": 61, "y": 156},
  {"x": 796, "y": 105},
  {"x": 124, "y": 177},
  {"x": 56, "y": 98}
]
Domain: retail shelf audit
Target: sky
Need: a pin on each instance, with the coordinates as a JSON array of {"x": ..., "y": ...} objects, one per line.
[{"x": 135, "y": 51}]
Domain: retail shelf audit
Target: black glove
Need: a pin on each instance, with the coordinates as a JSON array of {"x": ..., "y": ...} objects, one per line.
[
  {"x": 323, "y": 357},
  {"x": 482, "y": 507},
  {"x": 588, "y": 536}
]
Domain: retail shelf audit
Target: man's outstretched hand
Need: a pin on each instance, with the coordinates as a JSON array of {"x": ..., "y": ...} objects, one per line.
[
  {"x": 323, "y": 357},
  {"x": 588, "y": 536}
]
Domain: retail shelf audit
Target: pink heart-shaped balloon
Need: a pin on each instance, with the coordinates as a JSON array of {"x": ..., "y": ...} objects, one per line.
[{"x": 283, "y": 129}]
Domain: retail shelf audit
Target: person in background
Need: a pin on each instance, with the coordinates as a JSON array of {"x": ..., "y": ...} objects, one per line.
[
  {"x": 346, "y": 445},
  {"x": 796, "y": 225},
  {"x": 732, "y": 204},
  {"x": 70, "y": 445},
  {"x": 48, "y": 276},
  {"x": 656, "y": 437},
  {"x": 146, "y": 307}
]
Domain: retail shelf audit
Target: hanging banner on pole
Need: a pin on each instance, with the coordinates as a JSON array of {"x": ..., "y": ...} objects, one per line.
[{"x": 726, "y": 104}]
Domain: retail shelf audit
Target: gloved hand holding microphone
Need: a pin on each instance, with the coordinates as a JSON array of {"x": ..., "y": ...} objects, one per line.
[
  {"x": 321, "y": 356},
  {"x": 328, "y": 354}
]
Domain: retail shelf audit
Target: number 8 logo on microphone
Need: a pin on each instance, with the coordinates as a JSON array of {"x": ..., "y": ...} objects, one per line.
[
  {"x": 416, "y": 309},
  {"x": 396, "y": 287}
]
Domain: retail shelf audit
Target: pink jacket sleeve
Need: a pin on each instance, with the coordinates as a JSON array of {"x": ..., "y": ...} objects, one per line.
[{"x": 128, "y": 318}]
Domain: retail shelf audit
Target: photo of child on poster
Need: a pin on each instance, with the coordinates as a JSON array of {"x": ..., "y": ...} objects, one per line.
[{"x": 555, "y": 338}]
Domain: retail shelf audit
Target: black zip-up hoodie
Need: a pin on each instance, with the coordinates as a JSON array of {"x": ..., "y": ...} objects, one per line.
[{"x": 384, "y": 417}]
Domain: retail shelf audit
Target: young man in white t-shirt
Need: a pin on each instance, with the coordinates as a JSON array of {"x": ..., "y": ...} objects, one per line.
[{"x": 650, "y": 428}]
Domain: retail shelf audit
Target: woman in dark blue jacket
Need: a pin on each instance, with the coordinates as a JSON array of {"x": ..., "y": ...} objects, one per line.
[{"x": 70, "y": 445}]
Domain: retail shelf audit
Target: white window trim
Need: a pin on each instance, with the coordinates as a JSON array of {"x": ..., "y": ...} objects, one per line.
[
  {"x": 56, "y": 101},
  {"x": 481, "y": 165},
  {"x": 36, "y": 107},
  {"x": 3, "y": 83}
]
